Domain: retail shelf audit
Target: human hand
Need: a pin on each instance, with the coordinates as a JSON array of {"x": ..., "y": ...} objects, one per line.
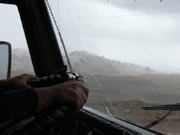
[
  {"x": 20, "y": 81},
  {"x": 71, "y": 93}
]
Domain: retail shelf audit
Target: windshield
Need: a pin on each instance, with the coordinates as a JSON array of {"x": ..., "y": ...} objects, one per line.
[{"x": 128, "y": 51}]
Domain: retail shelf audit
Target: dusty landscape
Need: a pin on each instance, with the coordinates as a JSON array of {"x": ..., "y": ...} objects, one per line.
[
  {"x": 128, "y": 95},
  {"x": 121, "y": 89}
]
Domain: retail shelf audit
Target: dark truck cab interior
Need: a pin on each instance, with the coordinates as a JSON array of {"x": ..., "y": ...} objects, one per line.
[{"x": 49, "y": 66}]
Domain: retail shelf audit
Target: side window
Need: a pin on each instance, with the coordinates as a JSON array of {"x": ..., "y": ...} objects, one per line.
[{"x": 11, "y": 30}]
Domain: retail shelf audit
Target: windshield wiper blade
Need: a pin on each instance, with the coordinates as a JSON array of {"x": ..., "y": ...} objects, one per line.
[
  {"x": 171, "y": 107},
  {"x": 159, "y": 120}
]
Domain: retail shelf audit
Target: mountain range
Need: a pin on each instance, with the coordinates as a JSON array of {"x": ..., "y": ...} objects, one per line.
[
  {"x": 82, "y": 62},
  {"x": 87, "y": 63},
  {"x": 21, "y": 62}
]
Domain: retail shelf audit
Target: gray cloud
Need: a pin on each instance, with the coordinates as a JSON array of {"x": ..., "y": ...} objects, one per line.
[
  {"x": 11, "y": 26},
  {"x": 144, "y": 33},
  {"x": 147, "y": 6}
]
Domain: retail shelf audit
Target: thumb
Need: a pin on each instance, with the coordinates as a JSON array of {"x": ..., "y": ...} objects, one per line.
[{"x": 27, "y": 86}]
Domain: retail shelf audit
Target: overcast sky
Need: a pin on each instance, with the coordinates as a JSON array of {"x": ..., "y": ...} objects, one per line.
[
  {"x": 143, "y": 32},
  {"x": 10, "y": 26}
]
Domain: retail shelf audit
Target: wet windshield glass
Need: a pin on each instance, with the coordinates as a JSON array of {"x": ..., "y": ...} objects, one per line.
[{"x": 128, "y": 51}]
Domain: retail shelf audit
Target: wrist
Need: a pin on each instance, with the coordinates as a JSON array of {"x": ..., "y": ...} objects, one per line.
[
  {"x": 4, "y": 85},
  {"x": 45, "y": 97}
]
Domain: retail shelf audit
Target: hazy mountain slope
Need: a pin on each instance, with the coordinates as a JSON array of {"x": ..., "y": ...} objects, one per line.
[
  {"x": 21, "y": 62},
  {"x": 85, "y": 62},
  {"x": 82, "y": 62}
]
